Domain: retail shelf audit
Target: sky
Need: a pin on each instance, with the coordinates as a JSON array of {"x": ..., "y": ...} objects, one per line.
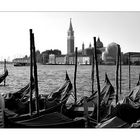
[{"x": 50, "y": 30}]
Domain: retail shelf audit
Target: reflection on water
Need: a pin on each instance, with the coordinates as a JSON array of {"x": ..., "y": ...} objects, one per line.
[{"x": 52, "y": 76}]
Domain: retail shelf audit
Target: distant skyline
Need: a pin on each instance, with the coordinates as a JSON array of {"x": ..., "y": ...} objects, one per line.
[{"x": 50, "y": 29}]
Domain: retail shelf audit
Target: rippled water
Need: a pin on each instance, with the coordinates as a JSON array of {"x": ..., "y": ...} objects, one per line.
[{"x": 52, "y": 76}]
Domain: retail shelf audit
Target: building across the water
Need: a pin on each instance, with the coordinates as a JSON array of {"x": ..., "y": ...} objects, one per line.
[
  {"x": 52, "y": 59},
  {"x": 81, "y": 60},
  {"x": 70, "y": 60},
  {"x": 134, "y": 58},
  {"x": 60, "y": 59},
  {"x": 84, "y": 56}
]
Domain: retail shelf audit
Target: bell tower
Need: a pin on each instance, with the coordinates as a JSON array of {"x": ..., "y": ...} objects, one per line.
[{"x": 70, "y": 39}]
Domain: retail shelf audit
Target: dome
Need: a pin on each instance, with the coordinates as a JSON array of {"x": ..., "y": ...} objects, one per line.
[
  {"x": 110, "y": 53},
  {"x": 112, "y": 49},
  {"x": 112, "y": 45}
]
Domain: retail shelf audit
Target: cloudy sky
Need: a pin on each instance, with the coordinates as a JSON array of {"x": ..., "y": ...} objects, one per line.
[{"x": 50, "y": 29}]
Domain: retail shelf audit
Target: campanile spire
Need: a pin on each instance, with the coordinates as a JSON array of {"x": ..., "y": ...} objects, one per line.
[
  {"x": 70, "y": 39},
  {"x": 70, "y": 28}
]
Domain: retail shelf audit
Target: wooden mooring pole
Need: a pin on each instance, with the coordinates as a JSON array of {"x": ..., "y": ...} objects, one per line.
[
  {"x": 98, "y": 82},
  {"x": 129, "y": 72},
  {"x": 31, "y": 72},
  {"x": 75, "y": 72},
  {"x": 120, "y": 70},
  {"x": 86, "y": 113},
  {"x": 92, "y": 73},
  {"x": 35, "y": 76},
  {"x": 2, "y": 111},
  {"x": 4, "y": 71},
  {"x": 117, "y": 73}
]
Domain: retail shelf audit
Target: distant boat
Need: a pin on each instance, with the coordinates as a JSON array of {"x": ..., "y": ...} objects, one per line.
[
  {"x": 17, "y": 64},
  {"x": 25, "y": 61}
]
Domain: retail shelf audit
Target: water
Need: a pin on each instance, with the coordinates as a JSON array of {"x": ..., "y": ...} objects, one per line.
[{"x": 50, "y": 77}]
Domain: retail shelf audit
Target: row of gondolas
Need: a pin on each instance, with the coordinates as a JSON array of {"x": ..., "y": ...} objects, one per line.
[{"x": 56, "y": 110}]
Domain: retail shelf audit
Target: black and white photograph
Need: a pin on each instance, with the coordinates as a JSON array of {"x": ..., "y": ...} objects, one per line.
[{"x": 70, "y": 69}]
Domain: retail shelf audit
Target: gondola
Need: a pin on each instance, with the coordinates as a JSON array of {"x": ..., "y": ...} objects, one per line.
[
  {"x": 18, "y": 94},
  {"x": 52, "y": 105},
  {"x": 127, "y": 111},
  {"x": 61, "y": 93},
  {"x": 124, "y": 116},
  {"x": 133, "y": 97},
  {"x": 51, "y": 120},
  {"x": 107, "y": 97},
  {"x": 47, "y": 105},
  {"x": 13, "y": 101},
  {"x": 3, "y": 76},
  {"x": 47, "y": 119},
  {"x": 18, "y": 102}
]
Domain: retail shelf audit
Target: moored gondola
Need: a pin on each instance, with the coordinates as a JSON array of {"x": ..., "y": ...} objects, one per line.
[
  {"x": 107, "y": 98},
  {"x": 51, "y": 120},
  {"x": 21, "y": 106},
  {"x": 3, "y": 76},
  {"x": 48, "y": 120},
  {"x": 13, "y": 101},
  {"x": 127, "y": 112},
  {"x": 18, "y": 102}
]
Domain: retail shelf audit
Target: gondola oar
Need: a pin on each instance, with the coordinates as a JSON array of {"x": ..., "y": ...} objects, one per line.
[
  {"x": 86, "y": 113},
  {"x": 120, "y": 70},
  {"x": 35, "y": 76},
  {"x": 2, "y": 108},
  {"x": 4, "y": 71},
  {"x": 75, "y": 72},
  {"x": 92, "y": 73},
  {"x": 98, "y": 82},
  {"x": 129, "y": 67},
  {"x": 31, "y": 72},
  {"x": 117, "y": 73}
]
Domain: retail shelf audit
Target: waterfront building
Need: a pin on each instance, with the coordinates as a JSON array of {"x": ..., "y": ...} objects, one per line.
[
  {"x": 109, "y": 60},
  {"x": 134, "y": 58},
  {"x": 83, "y": 60},
  {"x": 84, "y": 56},
  {"x": 52, "y": 59},
  {"x": 70, "y": 60},
  {"x": 60, "y": 59}
]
